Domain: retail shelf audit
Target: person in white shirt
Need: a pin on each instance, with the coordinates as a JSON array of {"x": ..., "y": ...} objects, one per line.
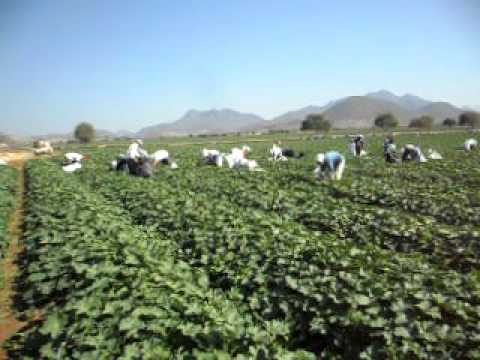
[
  {"x": 277, "y": 153},
  {"x": 281, "y": 154},
  {"x": 238, "y": 159},
  {"x": 470, "y": 144},
  {"x": 212, "y": 157},
  {"x": 72, "y": 162},
  {"x": 136, "y": 151},
  {"x": 162, "y": 157},
  {"x": 241, "y": 153},
  {"x": 413, "y": 152}
]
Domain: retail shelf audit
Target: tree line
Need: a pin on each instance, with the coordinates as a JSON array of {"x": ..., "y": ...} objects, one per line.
[{"x": 387, "y": 121}]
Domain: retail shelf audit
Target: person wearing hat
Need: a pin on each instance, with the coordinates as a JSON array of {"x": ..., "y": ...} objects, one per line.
[
  {"x": 212, "y": 157},
  {"x": 413, "y": 152},
  {"x": 331, "y": 164},
  {"x": 279, "y": 154},
  {"x": 73, "y": 161},
  {"x": 136, "y": 151},
  {"x": 390, "y": 150},
  {"x": 238, "y": 159},
  {"x": 470, "y": 144},
  {"x": 162, "y": 157}
]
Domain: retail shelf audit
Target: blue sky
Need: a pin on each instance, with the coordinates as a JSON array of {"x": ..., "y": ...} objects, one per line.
[{"x": 128, "y": 64}]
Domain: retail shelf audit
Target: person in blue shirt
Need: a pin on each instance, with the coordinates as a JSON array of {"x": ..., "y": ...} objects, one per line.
[{"x": 331, "y": 164}]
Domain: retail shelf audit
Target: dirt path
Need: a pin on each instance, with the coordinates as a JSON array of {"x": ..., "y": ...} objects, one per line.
[{"x": 9, "y": 324}]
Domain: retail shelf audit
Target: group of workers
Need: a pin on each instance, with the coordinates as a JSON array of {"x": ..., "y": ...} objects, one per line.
[{"x": 137, "y": 161}]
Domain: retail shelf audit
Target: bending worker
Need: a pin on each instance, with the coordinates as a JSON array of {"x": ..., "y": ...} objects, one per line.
[
  {"x": 390, "y": 150},
  {"x": 413, "y": 152},
  {"x": 212, "y": 157},
  {"x": 470, "y": 144},
  {"x": 331, "y": 164},
  {"x": 136, "y": 151},
  {"x": 72, "y": 161},
  {"x": 279, "y": 154}
]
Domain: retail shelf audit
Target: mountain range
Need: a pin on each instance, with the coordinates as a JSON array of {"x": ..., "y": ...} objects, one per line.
[
  {"x": 205, "y": 122},
  {"x": 348, "y": 112}
]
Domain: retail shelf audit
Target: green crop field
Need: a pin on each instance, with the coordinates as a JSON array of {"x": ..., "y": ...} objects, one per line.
[
  {"x": 211, "y": 263},
  {"x": 8, "y": 186}
]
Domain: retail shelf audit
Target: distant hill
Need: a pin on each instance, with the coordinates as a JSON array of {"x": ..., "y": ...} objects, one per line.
[
  {"x": 204, "y": 122},
  {"x": 408, "y": 101},
  {"x": 360, "y": 111},
  {"x": 99, "y": 134},
  {"x": 440, "y": 111},
  {"x": 353, "y": 111}
]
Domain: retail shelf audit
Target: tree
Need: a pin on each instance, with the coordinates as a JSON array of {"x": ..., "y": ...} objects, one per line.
[
  {"x": 449, "y": 122},
  {"x": 469, "y": 118},
  {"x": 84, "y": 132},
  {"x": 386, "y": 120},
  {"x": 424, "y": 121},
  {"x": 316, "y": 122}
]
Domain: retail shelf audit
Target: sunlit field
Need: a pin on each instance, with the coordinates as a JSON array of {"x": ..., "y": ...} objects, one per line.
[{"x": 213, "y": 263}]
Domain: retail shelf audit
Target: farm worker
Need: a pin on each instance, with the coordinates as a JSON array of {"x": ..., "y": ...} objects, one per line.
[
  {"x": 413, "y": 152},
  {"x": 143, "y": 167},
  {"x": 43, "y": 147},
  {"x": 434, "y": 155},
  {"x": 390, "y": 150},
  {"x": 121, "y": 163},
  {"x": 470, "y": 144},
  {"x": 283, "y": 154},
  {"x": 136, "y": 151},
  {"x": 357, "y": 144},
  {"x": 72, "y": 161},
  {"x": 241, "y": 153},
  {"x": 276, "y": 152},
  {"x": 290, "y": 153},
  {"x": 237, "y": 157},
  {"x": 212, "y": 157},
  {"x": 332, "y": 164},
  {"x": 162, "y": 157}
]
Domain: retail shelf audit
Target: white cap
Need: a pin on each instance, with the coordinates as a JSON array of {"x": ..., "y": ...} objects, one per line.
[
  {"x": 139, "y": 141},
  {"x": 246, "y": 148},
  {"x": 321, "y": 158}
]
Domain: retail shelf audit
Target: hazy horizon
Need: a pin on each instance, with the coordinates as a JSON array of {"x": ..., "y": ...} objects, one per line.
[{"x": 125, "y": 65}]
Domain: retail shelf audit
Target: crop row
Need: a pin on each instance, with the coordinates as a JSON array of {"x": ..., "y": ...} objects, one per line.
[
  {"x": 8, "y": 189},
  {"x": 110, "y": 289},
  {"x": 296, "y": 197},
  {"x": 340, "y": 298},
  {"x": 445, "y": 190}
]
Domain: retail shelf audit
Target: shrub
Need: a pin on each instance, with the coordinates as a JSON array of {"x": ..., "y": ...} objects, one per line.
[
  {"x": 469, "y": 118},
  {"x": 84, "y": 132},
  {"x": 316, "y": 122},
  {"x": 449, "y": 122},
  {"x": 386, "y": 120},
  {"x": 424, "y": 121}
]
